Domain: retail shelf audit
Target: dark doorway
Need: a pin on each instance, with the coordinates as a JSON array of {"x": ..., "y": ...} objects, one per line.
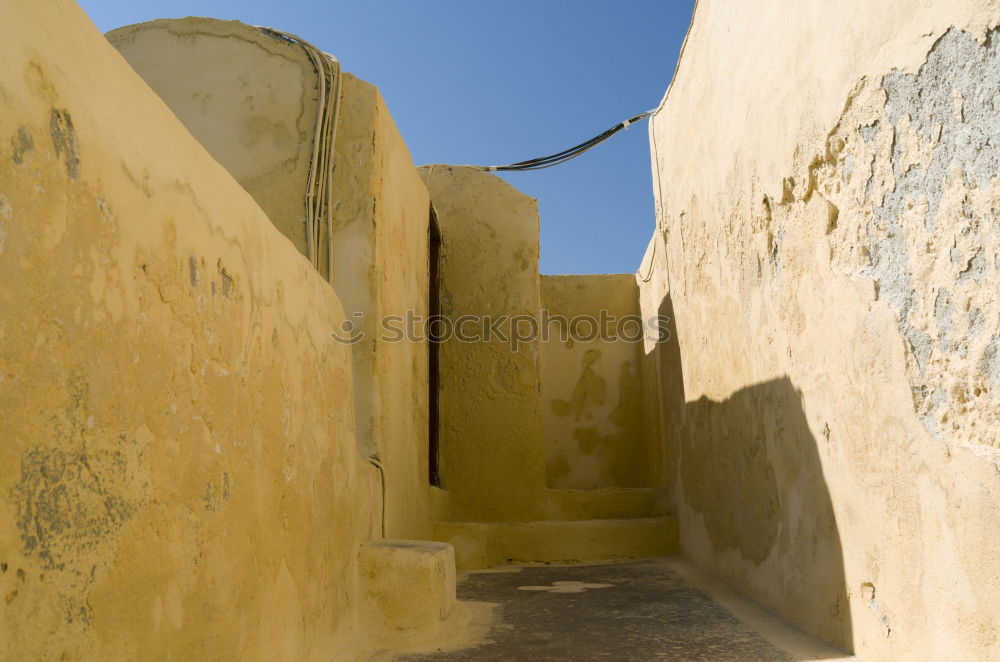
[{"x": 433, "y": 350}]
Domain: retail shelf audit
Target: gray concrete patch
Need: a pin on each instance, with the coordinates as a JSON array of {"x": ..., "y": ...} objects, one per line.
[
  {"x": 990, "y": 364},
  {"x": 952, "y": 104},
  {"x": 640, "y": 610}
]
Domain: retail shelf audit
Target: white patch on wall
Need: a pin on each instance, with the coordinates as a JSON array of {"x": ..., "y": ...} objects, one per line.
[
  {"x": 565, "y": 587},
  {"x": 7, "y": 212}
]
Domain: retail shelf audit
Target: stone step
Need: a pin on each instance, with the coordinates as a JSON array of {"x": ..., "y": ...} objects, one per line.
[
  {"x": 408, "y": 584},
  {"x": 607, "y": 503},
  {"x": 486, "y": 544}
]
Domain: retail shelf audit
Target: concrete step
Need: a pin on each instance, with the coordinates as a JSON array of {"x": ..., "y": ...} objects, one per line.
[
  {"x": 607, "y": 503},
  {"x": 486, "y": 544},
  {"x": 408, "y": 584}
]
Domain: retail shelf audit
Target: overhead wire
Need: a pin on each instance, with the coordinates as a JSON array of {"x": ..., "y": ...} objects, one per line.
[
  {"x": 567, "y": 154},
  {"x": 319, "y": 186}
]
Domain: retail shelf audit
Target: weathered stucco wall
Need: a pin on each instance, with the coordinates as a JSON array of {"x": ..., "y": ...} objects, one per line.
[
  {"x": 595, "y": 434},
  {"x": 499, "y": 507},
  {"x": 827, "y": 202},
  {"x": 249, "y": 98},
  {"x": 402, "y": 281},
  {"x": 252, "y": 102},
  {"x": 177, "y": 425},
  {"x": 492, "y": 450}
]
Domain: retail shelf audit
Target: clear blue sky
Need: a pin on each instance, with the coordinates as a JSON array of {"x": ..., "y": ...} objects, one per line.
[{"x": 481, "y": 82}]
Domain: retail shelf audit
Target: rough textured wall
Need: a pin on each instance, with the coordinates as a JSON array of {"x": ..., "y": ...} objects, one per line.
[
  {"x": 249, "y": 98},
  {"x": 592, "y": 397},
  {"x": 402, "y": 281},
  {"x": 354, "y": 186},
  {"x": 178, "y": 463},
  {"x": 827, "y": 223},
  {"x": 492, "y": 449}
]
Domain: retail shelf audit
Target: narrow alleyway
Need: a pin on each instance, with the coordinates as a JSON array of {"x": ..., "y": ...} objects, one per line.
[{"x": 640, "y": 610}]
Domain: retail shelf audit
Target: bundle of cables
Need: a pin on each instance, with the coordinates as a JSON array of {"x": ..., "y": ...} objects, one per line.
[
  {"x": 319, "y": 187},
  {"x": 566, "y": 154}
]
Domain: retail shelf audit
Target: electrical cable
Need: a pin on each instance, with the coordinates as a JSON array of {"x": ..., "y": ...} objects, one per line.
[
  {"x": 319, "y": 187},
  {"x": 567, "y": 154}
]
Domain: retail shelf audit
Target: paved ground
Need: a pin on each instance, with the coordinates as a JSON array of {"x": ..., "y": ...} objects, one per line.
[{"x": 642, "y": 610}]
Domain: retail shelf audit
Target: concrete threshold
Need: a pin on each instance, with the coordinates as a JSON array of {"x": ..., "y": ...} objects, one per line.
[
  {"x": 486, "y": 544},
  {"x": 653, "y": 609}
]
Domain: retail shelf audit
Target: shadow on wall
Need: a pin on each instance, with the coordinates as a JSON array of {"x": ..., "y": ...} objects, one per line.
[{"x": 753, "y": 503}]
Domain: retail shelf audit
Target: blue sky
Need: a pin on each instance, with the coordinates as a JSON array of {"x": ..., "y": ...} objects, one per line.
[{"x": 485, "y": 83}]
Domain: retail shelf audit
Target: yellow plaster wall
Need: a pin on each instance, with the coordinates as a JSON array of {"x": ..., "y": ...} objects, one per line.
[
  {"x": 492, "y": 451},
  {"x": 493, "y": 399},
  {"x": 592, "y": 392},
  {"x": 402, "y": 281},
  {"x": 354, "y": 186},
  {"x": 178, "y": 436},
  {"x": 826, "y": 243},
  {"x": 251, "y": 91},
  {"x": 249, "y": 98}
]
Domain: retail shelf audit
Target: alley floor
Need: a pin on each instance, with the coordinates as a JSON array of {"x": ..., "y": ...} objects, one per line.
[{"x": 638, "y": 610}]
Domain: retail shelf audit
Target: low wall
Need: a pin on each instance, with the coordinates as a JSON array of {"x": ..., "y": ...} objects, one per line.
[{"x": 596, "y": 434}]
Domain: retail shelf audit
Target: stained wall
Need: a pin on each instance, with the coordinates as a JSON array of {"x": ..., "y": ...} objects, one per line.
[
  {"x": 240, "y": 92},
  {"x": 596, "y": 435},
  {"x": 250, "y": 97},
  {"x": 492, "y": 452},
  {"x": 826, "y": 190},
  {"x": 177, "y": 425}
]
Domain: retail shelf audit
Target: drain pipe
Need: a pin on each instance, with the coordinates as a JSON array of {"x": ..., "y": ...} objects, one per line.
[{"x": 373, "y": 459}]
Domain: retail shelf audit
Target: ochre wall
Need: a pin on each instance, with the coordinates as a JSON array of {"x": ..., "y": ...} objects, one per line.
[
  {"x": 401, "y": 278},
  {"x": 249, "y": 98},
  {"x": 354, "y": 186},
  {"x": 592, "y": 395},
  {"x": 826, "y": 180},
  {"x": 493, "y": 399},
  {"x": 180, "y": 454},
  {"x": 492, "y": 450},
  {"x": 178, "y": 434},
  {"x": 250, "y": 90}
]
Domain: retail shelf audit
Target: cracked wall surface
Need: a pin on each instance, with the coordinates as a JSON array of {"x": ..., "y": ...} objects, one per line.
[
  {"x": 252, "y": 104},
  {"x": 239, "y": 92},
  {"x": 179, "y": 460},
  {"x": 933, "y": 238},
  {"x": 827, "y": 244}
]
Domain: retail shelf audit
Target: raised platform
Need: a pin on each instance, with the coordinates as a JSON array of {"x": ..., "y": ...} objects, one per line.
[
  {"x": 408, "y": 584},
  {"x": 607, "y": 503},
  {"x": 485, "y": 544}
]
